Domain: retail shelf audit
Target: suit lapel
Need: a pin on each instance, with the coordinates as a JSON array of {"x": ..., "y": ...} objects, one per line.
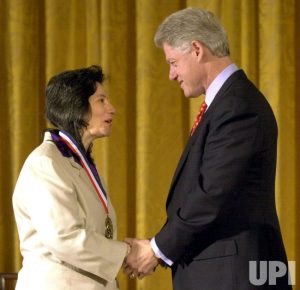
[
  {"x": 236, "y": 75},
  {"x": 183, "y": 158},
  {"x": 75, "y": 164},
  {"x": 81, "y": 173},
  {"x": 84, "y": 176},
  {"x": 78, "y": 169}
]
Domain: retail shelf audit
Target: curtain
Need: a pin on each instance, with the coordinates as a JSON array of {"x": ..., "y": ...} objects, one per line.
[{"x": 39, "y": 38}]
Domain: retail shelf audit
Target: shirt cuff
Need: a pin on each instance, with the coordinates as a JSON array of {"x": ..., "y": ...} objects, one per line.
[{"x": 159, "y": 254}]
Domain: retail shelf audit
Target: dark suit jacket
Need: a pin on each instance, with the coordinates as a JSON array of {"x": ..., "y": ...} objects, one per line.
[{"x": 221, "y": 205}]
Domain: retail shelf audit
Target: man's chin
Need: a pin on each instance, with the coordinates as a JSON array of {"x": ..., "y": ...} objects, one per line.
[{"x": 190, "y": 95}]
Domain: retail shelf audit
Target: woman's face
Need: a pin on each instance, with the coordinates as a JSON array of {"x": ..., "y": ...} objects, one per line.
[{"x": 99, "y": 118}]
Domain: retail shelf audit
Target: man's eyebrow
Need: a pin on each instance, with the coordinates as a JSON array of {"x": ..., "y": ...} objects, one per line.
[{"x": 171, "y": 59}]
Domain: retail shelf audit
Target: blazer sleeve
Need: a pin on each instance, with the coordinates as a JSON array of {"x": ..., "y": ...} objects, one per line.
[
  {"x": 46, "y": 195},
  {"x": 230, "y": 141}
]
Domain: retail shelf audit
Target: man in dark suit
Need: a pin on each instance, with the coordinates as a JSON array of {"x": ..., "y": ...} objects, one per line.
[{"x": 221, "y": 205}]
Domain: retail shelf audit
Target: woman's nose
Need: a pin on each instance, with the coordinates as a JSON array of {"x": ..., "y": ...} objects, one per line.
[{"x": 111, "y": 109}]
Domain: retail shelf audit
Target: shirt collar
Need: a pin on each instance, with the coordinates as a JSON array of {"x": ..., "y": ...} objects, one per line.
[{"x": 218, "y": 82}]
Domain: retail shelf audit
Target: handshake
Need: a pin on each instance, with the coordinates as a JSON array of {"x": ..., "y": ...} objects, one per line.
[{"x": 141, "y": 260}]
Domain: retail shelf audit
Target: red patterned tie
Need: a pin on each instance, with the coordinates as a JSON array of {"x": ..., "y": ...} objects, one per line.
[{"x": 199, "y": 117}]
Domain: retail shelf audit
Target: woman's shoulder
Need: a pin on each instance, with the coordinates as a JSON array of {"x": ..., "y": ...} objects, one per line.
[
  {"x": 45, "y": 150},
  {"x": 44, "y": 156}
]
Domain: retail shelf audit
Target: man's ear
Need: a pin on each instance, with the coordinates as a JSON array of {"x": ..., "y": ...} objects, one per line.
[{"x": 197, "y": 47}]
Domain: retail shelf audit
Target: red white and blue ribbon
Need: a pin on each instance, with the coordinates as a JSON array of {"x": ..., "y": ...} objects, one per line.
[{"x": 88, "y": 167}]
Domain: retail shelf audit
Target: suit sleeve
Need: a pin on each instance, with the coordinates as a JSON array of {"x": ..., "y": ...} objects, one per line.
[
  {"x": 49, "y": 200},
  {"x": 230, "y": 143}
]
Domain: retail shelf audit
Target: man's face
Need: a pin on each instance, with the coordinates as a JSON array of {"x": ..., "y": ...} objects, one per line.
[{"x": 185, "y": 68}]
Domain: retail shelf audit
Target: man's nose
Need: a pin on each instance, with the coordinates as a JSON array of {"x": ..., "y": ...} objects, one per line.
[{"x": 172, "y": 74}]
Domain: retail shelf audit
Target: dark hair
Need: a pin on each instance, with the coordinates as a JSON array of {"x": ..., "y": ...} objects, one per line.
[{"x": 67, "y": 98}]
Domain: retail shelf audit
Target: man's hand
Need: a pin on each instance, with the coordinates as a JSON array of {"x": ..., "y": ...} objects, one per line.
[{"x": 141, "y": 260}]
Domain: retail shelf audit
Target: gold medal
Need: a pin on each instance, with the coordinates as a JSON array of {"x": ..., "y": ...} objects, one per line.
[{"x": 109, "y": 230}]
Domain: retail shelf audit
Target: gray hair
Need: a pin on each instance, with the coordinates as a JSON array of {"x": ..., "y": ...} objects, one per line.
[{"x": 182, "y": 27}]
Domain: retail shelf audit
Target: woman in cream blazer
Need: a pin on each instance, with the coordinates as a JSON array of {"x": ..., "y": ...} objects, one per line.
[{"x": 67, "y": 229}]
